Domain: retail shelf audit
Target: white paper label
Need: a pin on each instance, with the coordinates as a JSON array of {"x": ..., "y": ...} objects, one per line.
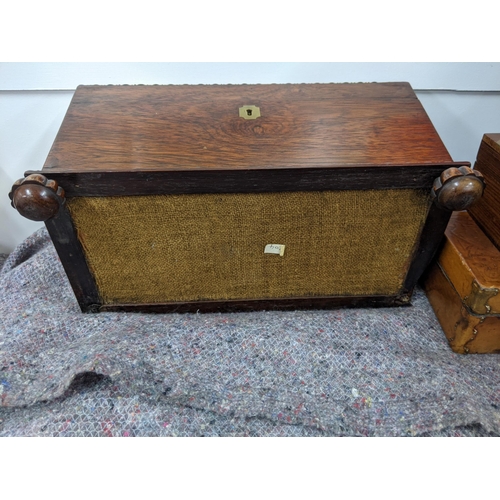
[{"x": 276, "y": 249}]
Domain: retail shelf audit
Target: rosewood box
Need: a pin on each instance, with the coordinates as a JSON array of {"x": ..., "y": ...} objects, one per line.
[{"x": 244, "y": 197}]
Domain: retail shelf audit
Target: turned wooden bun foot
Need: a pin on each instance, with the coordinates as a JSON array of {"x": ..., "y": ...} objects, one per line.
[
  {"x": 36, "y": 197},
  {"x": 458, "y": 188}
]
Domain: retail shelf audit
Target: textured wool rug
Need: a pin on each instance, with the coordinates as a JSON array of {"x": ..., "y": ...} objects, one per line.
[{"x": 344, "y": 372}]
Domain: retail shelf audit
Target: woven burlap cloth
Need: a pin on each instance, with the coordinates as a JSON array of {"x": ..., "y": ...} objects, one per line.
[{"x": 350, "y": 372}]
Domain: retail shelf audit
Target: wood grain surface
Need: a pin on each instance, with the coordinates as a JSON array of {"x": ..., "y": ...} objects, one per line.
[
  {"x": 466, "y": 333},
  {"x": 472, "y": 263},
  {"x": 198, "y": 127},
  {"x": 486, "y": 212},
  {"x": 493, "y": 140}
]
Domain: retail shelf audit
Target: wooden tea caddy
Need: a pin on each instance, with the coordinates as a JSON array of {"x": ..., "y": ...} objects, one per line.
[{"x": 244, "y": 197}]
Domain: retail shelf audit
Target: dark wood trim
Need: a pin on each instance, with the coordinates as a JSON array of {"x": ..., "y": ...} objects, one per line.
[
  {"x": 72, "y": 256},
  {"x": 247, "y": 181},
  {"x": 261, "y": 305},
  {"x": 430, "y": 240}
]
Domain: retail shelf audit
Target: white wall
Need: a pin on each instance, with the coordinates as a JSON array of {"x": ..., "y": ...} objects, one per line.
[
  {"x": 29, "y": 122},
  {"x": 462, "y": 100}
]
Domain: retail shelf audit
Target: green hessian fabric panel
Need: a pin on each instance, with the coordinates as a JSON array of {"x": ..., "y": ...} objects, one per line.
[{"x": 170, "y": 248}]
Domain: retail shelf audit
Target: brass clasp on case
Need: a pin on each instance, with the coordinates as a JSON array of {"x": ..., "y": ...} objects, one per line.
[{"x": 249, "y": 112}]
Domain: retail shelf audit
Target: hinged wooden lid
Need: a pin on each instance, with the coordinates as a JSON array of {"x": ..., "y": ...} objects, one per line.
[{"x": 199, "y": 127}]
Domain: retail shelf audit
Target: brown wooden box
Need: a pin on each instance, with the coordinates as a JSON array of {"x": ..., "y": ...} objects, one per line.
[
  {"x": 243, "y": 197},
  {"x": 462, "y": 287},
  {"x": 486, "y": 212}
]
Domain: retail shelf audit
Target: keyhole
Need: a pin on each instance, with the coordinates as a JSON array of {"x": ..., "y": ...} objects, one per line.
[{"x": 249, "y": 112}]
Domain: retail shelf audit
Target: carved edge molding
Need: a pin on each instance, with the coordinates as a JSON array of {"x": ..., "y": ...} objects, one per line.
[
  {"x": 458, "y": 188},
  {"x": 36, "y": 197}
]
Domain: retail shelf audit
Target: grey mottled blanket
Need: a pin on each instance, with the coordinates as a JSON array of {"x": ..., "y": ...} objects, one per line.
[{"x": 350, "y": 372}]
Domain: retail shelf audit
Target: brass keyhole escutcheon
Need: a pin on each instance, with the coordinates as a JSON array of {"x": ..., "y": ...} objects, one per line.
[{"x": 249, "y": 112}]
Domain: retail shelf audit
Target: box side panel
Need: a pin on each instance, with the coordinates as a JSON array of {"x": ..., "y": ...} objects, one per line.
[
  {"x": 486, "y": 212},
  {"x": 178, "y": 248},
  {"x": 487, "y": 338},
  {"x": 457, "y": 323},
  {"x": 466, "y": 333},
  {"x": 472, "y": 264}
]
